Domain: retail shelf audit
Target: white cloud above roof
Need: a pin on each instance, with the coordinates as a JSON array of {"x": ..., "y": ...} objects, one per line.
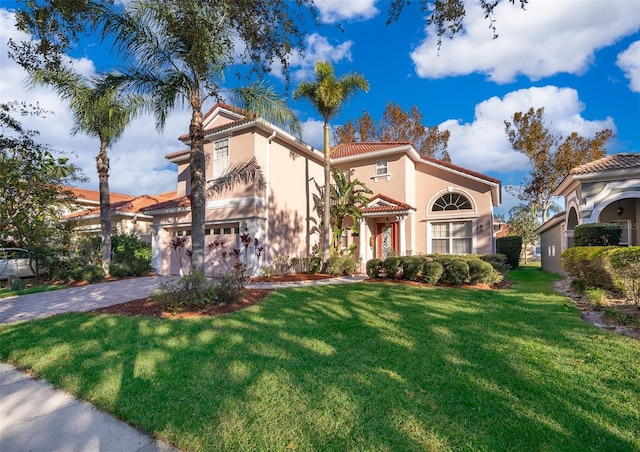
[
  {"x": 483, "y": 145},
  {"x": 332, "y": 11},
  {"x": 549, "y": 37},
  {"x": 629, "y": 62}
]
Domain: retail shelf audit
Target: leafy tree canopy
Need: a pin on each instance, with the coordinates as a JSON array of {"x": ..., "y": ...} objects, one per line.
[
  {"x": 397, "y": 125},
  {"x": 33, "y": 180},
  {"x": 551, "y": 156}
]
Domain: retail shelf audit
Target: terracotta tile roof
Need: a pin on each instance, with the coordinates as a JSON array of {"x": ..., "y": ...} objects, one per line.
[
  {"x": 609, "y": 162},
  {"x": 131, "y": 206},
  {"x": 177, "y": 154},
  {"x": 351, "y": 149},
  {"x": 83, "y": 194},
  {"x": 183, "y": 201},
  {"x": 393, "y": 205}
]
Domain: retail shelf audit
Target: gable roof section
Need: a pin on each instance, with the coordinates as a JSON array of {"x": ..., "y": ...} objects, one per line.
[
  {"x": 181, "y": 204},
  {"x": 380, "y": 204},
  {"x": 609, "y": 167},
  {"x": 133, "y": 206},
  {"x": 355, "y": 151},
  {"x": 86, "y": 196}
]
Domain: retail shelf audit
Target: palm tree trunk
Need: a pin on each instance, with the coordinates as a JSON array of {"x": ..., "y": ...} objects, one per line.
[
  {"x": 102, "y": 164},
  {"x": 198, "y": 183},
  {"x": 326, "y": 217}
]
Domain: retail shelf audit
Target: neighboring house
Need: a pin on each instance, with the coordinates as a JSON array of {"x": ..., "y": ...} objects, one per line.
[
  {"x": 419, "y": 205},
  {"x": 126, "y": 212},
  {"x": 606, "y": 190}
]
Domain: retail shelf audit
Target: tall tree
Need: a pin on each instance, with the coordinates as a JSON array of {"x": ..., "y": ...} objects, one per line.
[
  {"x": 397, "y": 125},
  {"x": 328, "y": 94},
  {"x": 523, "y": 221},
  {"x": 32, "y": 188},
  {"x": 101, "y": 112},
  {"x": 551, "y": 156},
  {"x": 177, "y": 52},
  {"x": 448, "y": 15}
]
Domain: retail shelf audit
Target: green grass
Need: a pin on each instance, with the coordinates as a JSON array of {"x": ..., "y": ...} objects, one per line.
[
  {"x": 4, "y": 292},
  {"x": 355, "y": 367}
]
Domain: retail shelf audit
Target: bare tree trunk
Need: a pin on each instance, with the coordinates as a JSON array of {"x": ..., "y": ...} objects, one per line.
[
  {"x": 326, "y": 216},
  {"x": 102, "y": 164},
  {"x": 198, "y": 185}
]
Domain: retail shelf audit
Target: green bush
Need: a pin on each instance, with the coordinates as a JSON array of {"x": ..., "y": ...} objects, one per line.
[
  {"x": 93, "y": 274},
  {"x": 373, "y": 268},
  {"x": 479, "y": 271},
  {"x": 625, "y": 264},
  {"x": 341, "y": 265},
  {"x": 191, "y": 292},
  {"x": 432, "y": 272},
  {"x": 130, "y": 250},
  {"x": 120, "y": 270},
  {"x": 590, "y": 265},
  {"x": 597, "y": 234},
  {"x": 391, "y": 266},
  {"x": 511, "y": 247},
  {"x": 456, "y": 272},
  {"x": 411, "y": 267},
  {"x": 497, "y": 261},
  {"x": 315, "y": 265}
]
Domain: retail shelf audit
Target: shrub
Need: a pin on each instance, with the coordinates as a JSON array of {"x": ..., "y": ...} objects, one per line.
[
  {"x": 625, "y": 264},
  {"x": 497, "y": 261},
  {"x": 373, "y": 268},
  {"x": 391, "y": 266},
  {"x": 190, "y": 292},
  {"x": 411, "y": 267},
  {"x": 511, "y": 247},
  {"x": 130, "y": 250},
  {"x": 93, "y": 274},
  {"x": 120, "y": 270},
  {"x": 432, "y": 272},
  {"x": 456, "y": 272},
  {"x": 479, "y": 270},
  {"x": 597, "y": 234},
  {"x": 341, "y": 265},
  {"x": 595, "y": 296},
  {"x": 281, "y": 265},
  {"x": 315, "y": 265},
  {"x": 589, "y": 264}
]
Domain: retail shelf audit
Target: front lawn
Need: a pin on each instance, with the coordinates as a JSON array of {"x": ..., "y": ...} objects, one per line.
[{"x": 355, "y": 367}]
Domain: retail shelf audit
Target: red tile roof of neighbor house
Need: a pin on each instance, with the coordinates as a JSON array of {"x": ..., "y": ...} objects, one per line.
[
  {"x": 395, "y": 207},
  {"x": 81, "y": 194},
  {"x": 609, "y": 162},
  {"x": 183, "y": 201},
  {"x": 133, "y": 206},
  {"x": 351, "y": 149}
]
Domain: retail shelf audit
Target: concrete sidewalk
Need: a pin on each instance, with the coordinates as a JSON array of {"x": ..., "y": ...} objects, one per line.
[{"x": 36, "y": 417}]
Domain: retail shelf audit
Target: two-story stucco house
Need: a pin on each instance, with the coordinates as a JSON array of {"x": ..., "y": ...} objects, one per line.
[{"x": 419, "y": 205}]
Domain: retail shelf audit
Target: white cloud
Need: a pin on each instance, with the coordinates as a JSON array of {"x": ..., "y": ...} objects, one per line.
[
  {"x": 549, "y": 37},
  {"x": 482, "y": 144},
  {"x": 332, "y": 11},
  {"x": 318, "y": 48},
  {"x": 629, "y": 62},
  {"x": 137, "y": 159},
  {"x": 313, "y": 133}
]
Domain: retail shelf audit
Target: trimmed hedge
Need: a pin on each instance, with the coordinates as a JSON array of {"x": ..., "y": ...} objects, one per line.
[
  {"x": 511, "y": 247},
  {"x": 391, "y": 266},
  {"x": 432, "y": 272},
  {"x": 338, "y": 266},
  {"x": 411, "y": 267},
  {"x": 597, "y": 234},
  {"x": 373, "y": 268}
]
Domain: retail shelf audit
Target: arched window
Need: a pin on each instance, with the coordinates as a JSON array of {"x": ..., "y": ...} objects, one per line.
[{"x": 451, "y": 201}]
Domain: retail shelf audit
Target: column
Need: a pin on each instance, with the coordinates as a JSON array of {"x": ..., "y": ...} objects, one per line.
[
  {"x": 402, "y": 239},
  {"x": 362, "y": 229}
]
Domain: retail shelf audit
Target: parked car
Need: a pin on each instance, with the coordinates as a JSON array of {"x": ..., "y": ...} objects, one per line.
[{"x": 14, "y": 262}]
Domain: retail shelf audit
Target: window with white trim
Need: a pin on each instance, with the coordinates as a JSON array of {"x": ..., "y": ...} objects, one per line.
[
  {"x": 451, "y": 201},
  {"x": 220, "y": 157},
  {"x": 382, "y": 167},
  {"x": 454, "y": 237}
]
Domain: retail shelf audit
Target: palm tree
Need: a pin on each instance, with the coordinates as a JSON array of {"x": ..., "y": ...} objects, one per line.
[
  {"x": 99, "y": 111},
  {"x": 327, "y": 94},
  {"x": 178, "y": 51}
]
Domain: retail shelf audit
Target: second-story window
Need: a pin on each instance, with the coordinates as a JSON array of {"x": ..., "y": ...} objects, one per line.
[
  {"x": 382, "y": 167},
  {"x": 220, "y": 158}
]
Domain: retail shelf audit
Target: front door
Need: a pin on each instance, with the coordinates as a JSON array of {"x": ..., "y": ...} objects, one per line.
[{"x": 386, "y": 240}]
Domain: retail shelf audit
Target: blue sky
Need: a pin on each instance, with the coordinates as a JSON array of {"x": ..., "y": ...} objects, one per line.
[{"x": 579, "y": 59}]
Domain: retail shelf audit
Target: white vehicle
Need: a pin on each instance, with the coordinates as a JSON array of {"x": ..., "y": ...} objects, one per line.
[{"x": 14, "y": 262}]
